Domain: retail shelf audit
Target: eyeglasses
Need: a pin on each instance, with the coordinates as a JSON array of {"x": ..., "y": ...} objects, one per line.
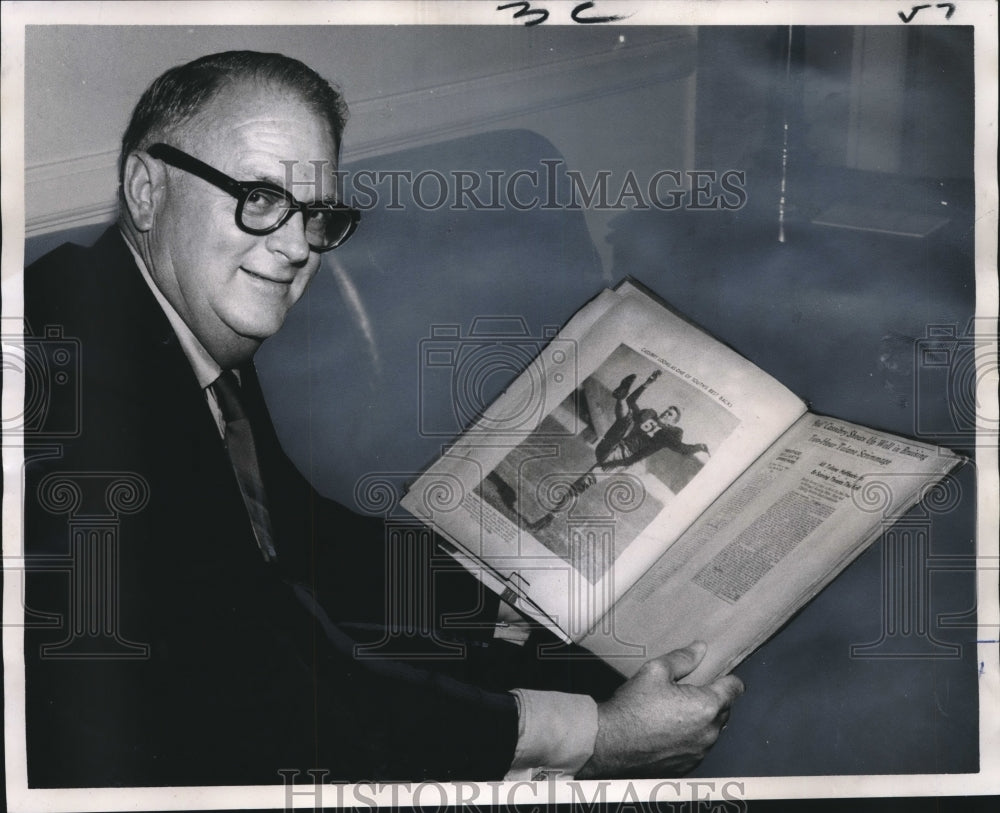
[{"x": 262, "y": 207}]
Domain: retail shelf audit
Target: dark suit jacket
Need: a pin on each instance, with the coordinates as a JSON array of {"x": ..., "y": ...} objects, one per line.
[{"x": 243, "y": 675}]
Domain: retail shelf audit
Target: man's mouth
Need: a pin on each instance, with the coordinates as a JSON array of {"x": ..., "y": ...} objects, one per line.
[{"x": 263, "y": 278}]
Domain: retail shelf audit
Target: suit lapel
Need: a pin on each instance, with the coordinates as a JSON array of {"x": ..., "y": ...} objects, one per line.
[{"x": 184, "y": 456}]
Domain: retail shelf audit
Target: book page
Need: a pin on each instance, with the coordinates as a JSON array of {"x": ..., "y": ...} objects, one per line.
[
  {"x": 629, "y": 424},
  {"x": 787, "y": 527}
]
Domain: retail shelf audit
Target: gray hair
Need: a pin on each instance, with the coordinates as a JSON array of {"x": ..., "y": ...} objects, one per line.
[{"x": 182, "y": 92}]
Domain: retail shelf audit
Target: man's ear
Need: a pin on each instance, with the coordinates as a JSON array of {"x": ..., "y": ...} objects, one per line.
[{"x": 142, "y": 188}]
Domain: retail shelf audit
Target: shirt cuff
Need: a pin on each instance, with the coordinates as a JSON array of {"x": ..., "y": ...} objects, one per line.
[{"x": 556, "y": 733}]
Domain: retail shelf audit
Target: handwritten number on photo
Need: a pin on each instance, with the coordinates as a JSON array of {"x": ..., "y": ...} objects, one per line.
[
  {"x": 577, "y": 15},
  {"x": 540, "y": 15},
  {"x": 914, "y": 10},
  {"x": 525, "y": 10}
]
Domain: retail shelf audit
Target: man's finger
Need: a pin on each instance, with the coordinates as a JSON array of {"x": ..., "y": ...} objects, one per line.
[
  {"x": 682, "y": 662},
  {"x": 727, "y": 689}
]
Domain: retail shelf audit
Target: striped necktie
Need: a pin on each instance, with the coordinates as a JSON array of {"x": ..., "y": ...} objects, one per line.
[{"x": 243, "y": 454}]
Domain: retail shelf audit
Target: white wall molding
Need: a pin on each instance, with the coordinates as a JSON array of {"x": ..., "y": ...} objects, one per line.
[
  {"x": 451, "y": 110},
  {"x": 68, "y": 192}
]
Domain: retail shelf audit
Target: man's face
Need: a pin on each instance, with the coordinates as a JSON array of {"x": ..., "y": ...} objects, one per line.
[
  {"x": 234, "y": 289},
  {"x": 670, "y": 417}
]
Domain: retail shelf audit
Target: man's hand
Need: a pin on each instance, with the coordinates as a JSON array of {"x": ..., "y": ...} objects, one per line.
[{"x": 653, "y": 726}]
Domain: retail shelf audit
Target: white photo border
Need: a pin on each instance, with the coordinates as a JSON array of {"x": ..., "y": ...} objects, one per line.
[{"x": 982, "y": 14}]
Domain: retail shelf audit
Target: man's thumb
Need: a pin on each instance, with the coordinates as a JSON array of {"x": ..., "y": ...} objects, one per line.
[{"x": 683, "y": 662}]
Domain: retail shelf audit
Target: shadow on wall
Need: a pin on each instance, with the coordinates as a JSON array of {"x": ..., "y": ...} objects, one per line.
[{"x": 835, "y": 314}]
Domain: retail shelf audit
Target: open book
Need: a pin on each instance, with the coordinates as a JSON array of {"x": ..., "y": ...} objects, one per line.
[{"x": 641, "y": 485}]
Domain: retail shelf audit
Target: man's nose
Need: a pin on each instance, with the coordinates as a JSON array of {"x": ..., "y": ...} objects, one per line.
[{"x": 290, "y": 240}]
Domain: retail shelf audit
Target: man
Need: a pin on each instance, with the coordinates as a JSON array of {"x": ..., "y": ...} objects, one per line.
[
  {"x": 228, "y": 654},
  {"x": 638, "y": 433},
  {"x": 634, "y": 435}
]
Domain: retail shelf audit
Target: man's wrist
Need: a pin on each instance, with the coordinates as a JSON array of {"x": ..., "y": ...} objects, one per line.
[{"x": 556, "y": 733}]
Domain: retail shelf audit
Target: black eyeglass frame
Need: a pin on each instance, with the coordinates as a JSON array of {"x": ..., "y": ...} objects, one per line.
[{"x": 241, "y": 190}]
